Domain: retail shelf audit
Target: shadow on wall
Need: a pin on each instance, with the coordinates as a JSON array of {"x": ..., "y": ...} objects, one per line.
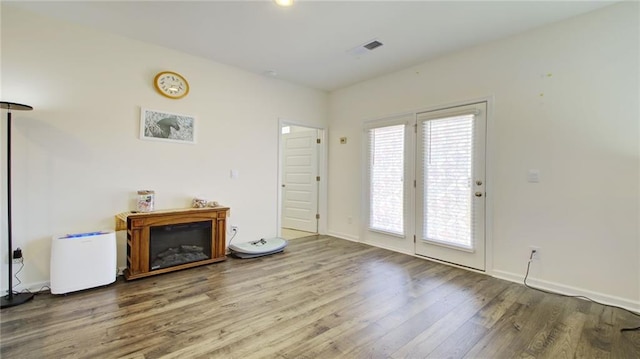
[
  {"x": 34, "y": 250},
  {"x": 43, "y": 146},
  {"x": 55, "y": 142}
]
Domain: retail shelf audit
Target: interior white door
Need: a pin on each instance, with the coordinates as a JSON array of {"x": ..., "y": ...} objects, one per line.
[
  {"x": 450, "y": 186},
  {"x": 300, "y": 184}
]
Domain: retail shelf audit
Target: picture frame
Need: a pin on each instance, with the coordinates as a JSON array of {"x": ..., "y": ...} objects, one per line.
[{"x": 166, "y": 126}]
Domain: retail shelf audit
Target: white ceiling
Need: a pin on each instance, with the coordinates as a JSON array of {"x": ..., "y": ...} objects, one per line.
[{"x": 309, "y": 43}]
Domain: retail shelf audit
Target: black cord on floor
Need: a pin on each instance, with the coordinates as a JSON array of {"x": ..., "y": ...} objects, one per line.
[
  {"x": 40, "y": 291},
  {"x": 235, "y": 231},
  {"x": 629, "y": 329},
  {"x": 577, "y": 296},
  {"x": 17, "y": 272}
]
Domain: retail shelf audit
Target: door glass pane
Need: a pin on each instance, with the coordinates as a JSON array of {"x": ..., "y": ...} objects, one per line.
[
  {"x": 386, "y": 179},
  {"x": 448, "y": 144}
]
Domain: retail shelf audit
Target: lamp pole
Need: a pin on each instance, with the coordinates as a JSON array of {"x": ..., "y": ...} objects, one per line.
[{"x": 11, "y": 299}]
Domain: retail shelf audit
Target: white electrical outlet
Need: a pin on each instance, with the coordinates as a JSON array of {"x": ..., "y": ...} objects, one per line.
[
  {"x": 234, "y": 228},
  {"x": 536, "y": 255}
]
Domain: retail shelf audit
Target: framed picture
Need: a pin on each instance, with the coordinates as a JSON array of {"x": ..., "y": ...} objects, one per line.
[{"x": 167, "y": 126}]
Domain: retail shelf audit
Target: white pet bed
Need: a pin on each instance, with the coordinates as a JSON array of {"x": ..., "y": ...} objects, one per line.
[{"x": 262, "y": 247}]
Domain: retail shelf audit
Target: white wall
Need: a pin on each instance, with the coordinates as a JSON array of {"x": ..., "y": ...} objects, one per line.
[
  {"x": 77, "y": 159},
  {"x": 579, "y": 127}
]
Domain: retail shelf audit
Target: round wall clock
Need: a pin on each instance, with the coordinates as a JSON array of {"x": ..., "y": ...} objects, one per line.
[{"x": 171, "y": 84}]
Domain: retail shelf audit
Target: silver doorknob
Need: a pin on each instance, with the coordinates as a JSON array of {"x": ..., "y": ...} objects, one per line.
[{"x": 478, "y": 194}]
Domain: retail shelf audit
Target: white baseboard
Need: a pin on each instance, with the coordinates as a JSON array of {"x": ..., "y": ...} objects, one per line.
[
  {"x": 631, "y": 305},
  {"x": 37, "y": 286},
  {"x": 32, "y": 287},
  {"x": 397, "y": 250},
  {"x": 348, "y": 237},
  {"x": 377, "y": 245}
]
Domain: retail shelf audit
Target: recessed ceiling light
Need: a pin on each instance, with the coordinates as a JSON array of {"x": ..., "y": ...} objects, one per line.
[{"x": 284, "y": 2}]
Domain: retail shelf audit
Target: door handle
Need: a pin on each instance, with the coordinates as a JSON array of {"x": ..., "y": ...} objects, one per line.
[
  {"x": 284, "y": 185},
  {"x": 478, "y": 194}
]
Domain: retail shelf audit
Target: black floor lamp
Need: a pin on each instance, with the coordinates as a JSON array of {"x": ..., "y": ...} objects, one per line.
[{"x": 12, "y": 299}]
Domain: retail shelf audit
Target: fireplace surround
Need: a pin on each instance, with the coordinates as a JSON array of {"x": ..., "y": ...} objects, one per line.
[{"x": 165, "y": 241}]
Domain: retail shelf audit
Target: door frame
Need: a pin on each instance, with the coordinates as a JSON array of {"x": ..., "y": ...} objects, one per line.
[
  {"x": 489, "y": 178},
  {"x": 446, "y": 251},
  {"x": 322, "y": 172}
]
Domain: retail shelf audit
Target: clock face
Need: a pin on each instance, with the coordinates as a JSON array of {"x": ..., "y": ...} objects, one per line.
[{"x": 171, "y": 84}]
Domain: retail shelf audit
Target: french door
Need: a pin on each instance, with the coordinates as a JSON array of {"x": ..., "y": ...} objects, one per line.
[{"x": 450, "y": 185}]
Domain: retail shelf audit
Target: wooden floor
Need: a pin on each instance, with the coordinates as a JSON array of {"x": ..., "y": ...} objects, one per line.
[{"x": 323, "y": 298}]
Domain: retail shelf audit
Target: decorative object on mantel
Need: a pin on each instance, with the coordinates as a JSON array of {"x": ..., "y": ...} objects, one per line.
[
  {"x": 202, "y": 203},
  {"x": 171, "y": 84},
  {"x": 146, "y": 199},
  {"x": 166, "y": 126},
  {"x": 11, "y": 299},
  {"x": 199, "y": 203}
]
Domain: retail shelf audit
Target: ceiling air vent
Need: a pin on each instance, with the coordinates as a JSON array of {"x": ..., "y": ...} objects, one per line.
[
  {"x": 373, "y": 44},
  {"x": 365, "y": 48}
]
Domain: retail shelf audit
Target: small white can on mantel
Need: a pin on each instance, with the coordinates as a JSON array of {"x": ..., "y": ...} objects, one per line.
[{"x": 145, "y": 201}]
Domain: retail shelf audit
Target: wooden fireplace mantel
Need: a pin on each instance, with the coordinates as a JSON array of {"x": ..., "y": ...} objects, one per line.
[{"x": 138, "y": 225}]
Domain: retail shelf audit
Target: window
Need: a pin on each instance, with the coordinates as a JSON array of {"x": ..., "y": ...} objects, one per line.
[
  {"x": 447, "y": 161},
  {"x": 386, "y": 178}
]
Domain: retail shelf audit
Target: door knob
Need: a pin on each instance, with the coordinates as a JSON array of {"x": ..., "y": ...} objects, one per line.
[
  {"x": 283, "y": 185},
  {"x": 479, "y": 182},
  {"x": 478, "y": 194}
]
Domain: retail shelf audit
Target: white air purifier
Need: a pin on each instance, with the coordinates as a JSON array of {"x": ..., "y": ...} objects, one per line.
[{"x": 83, "y": 260}]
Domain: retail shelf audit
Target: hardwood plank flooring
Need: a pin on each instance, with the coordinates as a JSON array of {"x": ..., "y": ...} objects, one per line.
[{"x": 322, "y": 298}]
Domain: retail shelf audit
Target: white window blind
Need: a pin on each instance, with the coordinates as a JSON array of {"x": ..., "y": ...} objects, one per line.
[
  {"x": 386, "y": 179},
  {"x": 448, "y": 148}
]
